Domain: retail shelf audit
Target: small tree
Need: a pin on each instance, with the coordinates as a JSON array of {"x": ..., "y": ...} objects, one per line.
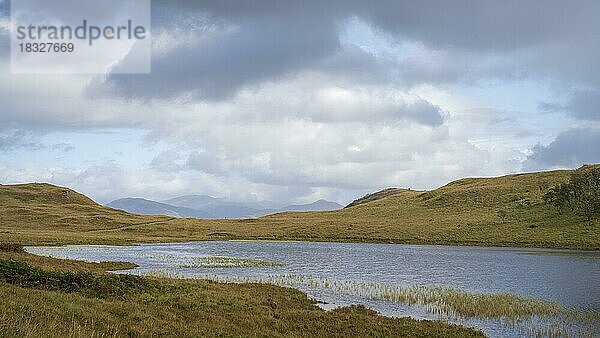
[
  {"x": 586, "y": 192},
  {"x": 560, "y": 197},
  {"x": 581, "y": 194}
]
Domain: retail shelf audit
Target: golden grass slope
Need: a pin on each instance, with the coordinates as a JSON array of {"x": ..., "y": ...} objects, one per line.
[{"x": 501, "y": 211}]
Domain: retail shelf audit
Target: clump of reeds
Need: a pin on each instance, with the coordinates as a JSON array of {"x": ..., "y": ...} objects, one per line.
[
  {"x": 449, "y": 301},
  {"x": 225, "y": 262}
]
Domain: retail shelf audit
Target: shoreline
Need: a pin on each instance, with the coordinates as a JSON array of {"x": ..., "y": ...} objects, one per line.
[
  {"x": 522, "y": 246},
  {"x": 526, "y": 250}
]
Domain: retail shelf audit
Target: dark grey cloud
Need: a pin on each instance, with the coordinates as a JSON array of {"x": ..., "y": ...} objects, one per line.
[
  {"x": 554, "y": 40},
  {"x": 354, "y": 64},
  {"x": 259, "y": 48},
  {"x": 485, "y": 24},
  {"x": 582, "y": 105},
  {"x": 570, "y": 149},
  {"x": 482, "y": 25},
  {"x": 423, "y": 112},
  {"x": 271, "y": 39},
  {"x": 585, "y": 105}
]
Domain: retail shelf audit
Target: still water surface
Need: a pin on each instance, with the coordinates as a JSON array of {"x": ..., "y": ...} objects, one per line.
[{"x": 571, "y": 278}]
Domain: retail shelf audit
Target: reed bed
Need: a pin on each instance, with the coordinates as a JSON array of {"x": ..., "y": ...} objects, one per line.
[
  {"x": 531, "y": 317},
  {"x": 447, "y": 301},
  {"x": 225, "y": 262}
]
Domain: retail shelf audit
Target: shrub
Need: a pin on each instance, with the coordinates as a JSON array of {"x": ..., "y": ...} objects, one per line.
[
  {"x": 94, "y": 285},
  {"x": 11, "y": 247}
]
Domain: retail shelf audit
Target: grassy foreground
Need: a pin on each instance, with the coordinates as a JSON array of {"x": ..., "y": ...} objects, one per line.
[
  {"x": 502, "y": 211},
  {"x": 61, "y": 298}
]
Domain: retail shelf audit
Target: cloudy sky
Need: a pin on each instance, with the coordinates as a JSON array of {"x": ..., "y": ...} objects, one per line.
[{"x": 293, "y": 101}]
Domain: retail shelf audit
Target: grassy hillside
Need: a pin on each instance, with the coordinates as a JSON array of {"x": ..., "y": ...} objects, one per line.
[
  {"x": 376, "y": 196},
  {"x": 44, "y": 213},
  {"x": 462, "y": 212},
  {"x": 502, "y": 211}
]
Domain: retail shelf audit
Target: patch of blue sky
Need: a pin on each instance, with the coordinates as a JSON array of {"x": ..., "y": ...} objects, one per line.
[
  {"x": 80, "y": 149},
  {"x": 376, "y": 42},
  {"x": 518, "y": 102}
]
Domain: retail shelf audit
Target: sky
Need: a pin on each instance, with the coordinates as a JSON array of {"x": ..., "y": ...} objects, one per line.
[{"x": 294, "y": 101}]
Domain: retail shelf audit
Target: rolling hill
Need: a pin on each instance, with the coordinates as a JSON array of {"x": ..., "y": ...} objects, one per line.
[{"x": 463, "y": 212}]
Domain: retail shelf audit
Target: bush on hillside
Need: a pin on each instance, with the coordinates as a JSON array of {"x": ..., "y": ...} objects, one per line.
[
  {"x": 87, "y": 283},
  {"x": 581, "y": 194},
  {"x": 10, "y": 247}
]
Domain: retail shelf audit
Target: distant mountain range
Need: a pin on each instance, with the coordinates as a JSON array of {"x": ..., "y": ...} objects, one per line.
[
  {"x": 202, "y": 206},
  {"x": 142, "y": 206}
]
